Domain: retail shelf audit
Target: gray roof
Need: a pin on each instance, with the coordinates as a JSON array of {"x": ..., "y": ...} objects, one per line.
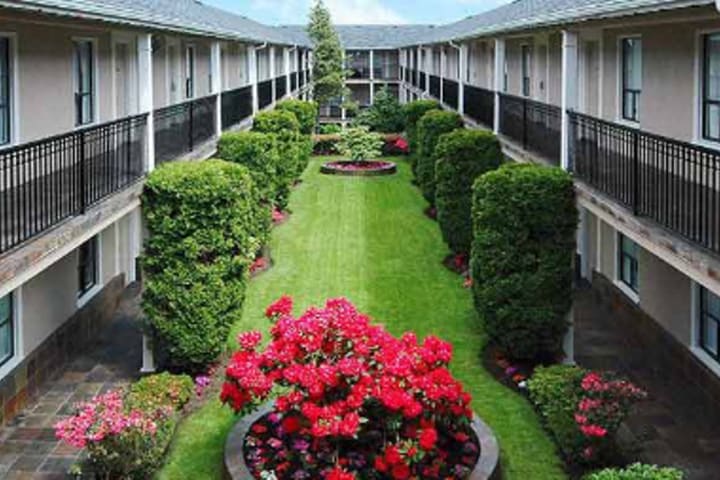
[
  {"x": 186, "y": 16},
  {"x": 193, "y": 17}
]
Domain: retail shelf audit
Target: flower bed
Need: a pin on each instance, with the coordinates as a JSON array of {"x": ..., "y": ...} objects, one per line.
[
  {"x": 359, "y": 169},
  {"x": 354, "y": 402}
]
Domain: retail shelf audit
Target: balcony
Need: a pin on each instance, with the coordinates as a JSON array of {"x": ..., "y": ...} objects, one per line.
[
  {"x": 480, "y": 105},
  {"x": 180, "y": 128},
  {"x": 535, "y": 126}
]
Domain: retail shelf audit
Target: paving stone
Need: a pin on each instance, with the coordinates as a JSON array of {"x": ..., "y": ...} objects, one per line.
[{"x": 28, "y": 463}]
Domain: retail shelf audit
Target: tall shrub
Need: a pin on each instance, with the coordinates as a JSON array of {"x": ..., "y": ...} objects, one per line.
[
  {"x": 525, "y": 220},
  {"x": 206, "y": 223},
  {"x": 295, "y": 148},
  {"x": 385, "y": 115},
  {"x": 328, "y": 71},
  {"x": 462, "y": 156},
  {"x": 431, "y": 126},
  {"x": 305, "y": 112},
  {"x": 259, "y": 152},
  {"x": 413, "y": 112}
]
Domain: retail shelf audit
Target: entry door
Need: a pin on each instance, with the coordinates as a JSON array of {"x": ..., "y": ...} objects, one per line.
[
  {"x": 123, "y": 86},
  {"x": 590, "y": 97}
]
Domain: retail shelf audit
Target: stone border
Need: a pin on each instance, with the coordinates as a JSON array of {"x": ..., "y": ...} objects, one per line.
[
  {"x": 487, "y": 467},
  {"x": 328, "y": 169}
]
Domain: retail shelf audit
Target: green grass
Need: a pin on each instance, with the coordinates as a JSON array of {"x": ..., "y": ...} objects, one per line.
[{"x": 368, "y": 240}]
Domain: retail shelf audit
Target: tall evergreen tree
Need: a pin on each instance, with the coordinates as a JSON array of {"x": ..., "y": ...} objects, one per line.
[{"x": 328, "y": 73}]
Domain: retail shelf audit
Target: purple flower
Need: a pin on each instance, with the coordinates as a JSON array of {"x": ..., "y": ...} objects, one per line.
[
  {"x": 511, "y": 371},
  {"x": 301, "y": 445},
  {"x": 275, "y": 443}
]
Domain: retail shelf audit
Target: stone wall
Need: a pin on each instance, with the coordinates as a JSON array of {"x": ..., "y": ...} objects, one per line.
[{"x": 23, "y": 384}]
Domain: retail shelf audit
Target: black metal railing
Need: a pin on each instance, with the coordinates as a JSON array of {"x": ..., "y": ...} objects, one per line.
[
  {"x": 451, "y": 93},
  {"x": 435, "y": 86},
  {"x": 391, "y": 72},
  {"x": 237, "y": 105},
  {"x": 48, "y": 181},
  {"x": 294, "y": 81},
  {"x": 265, "y": 94},
  {"x": 480, "y": 105},
  {"x": 422, "y": 81},
  {"x": 674, "y": 183},
  {"x": 179, "y": 129},
  {"x": 281, "y": 87},
  {"x": 534, "y": 125}
]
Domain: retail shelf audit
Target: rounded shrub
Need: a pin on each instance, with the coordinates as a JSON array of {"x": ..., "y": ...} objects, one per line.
[
  {"x": 260, "y": 153},
  {"x": 524, "y": 220},
  {"x": 430, "y": 128},
  {"x": 279, "y": 122},
  {"x": 462, "y": 156},
  {"x": 295, "y": 148},
  {"x": 637, "y": 471},
  {"x": 413, "y": 112},
  {"x": 206, "y": 223},
  {"x": 305, "y": 112}
]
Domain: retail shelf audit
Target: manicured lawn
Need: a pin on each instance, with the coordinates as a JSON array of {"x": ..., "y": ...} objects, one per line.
[{"x": 367, "y": 239}]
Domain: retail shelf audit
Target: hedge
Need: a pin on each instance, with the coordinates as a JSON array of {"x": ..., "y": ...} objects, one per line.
[
  {"x": 413, "y": 112},
  {"x": 206, "y": 223},
  {"x": 260, "y": 153},
  {"x": 295, "y": 148},
  {"x": 555, "y": 391},
  {"x": 462, "y": 156},
  {"x": 637, "y": 471},
  {"x": 305, "y": 112},
  {"x": 431, "y": 126},
  {"x": 524, "y": 220}
]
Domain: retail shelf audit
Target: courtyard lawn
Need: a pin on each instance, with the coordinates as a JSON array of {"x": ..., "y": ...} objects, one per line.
[{"x": 368, "y": 240}]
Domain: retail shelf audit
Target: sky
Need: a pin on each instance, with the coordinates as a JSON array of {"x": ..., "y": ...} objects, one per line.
[{"x": 275, "y": 12}]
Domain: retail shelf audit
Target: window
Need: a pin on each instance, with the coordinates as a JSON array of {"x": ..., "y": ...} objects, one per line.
[
  {"x": 711, "y": 88},
  {"x": 628, "y": 263},
  {"x": 526, "y": 69},
  {"x": 5, "y": 92},
  {"x": 87, "y": 267},
  {"x": 631, "y": 78},
  {"x": 190, "y": 72},
  {"x": 7, "y": 334},
  {"x": 709, "y": 322},
  {"x": 84, "y": 82}
]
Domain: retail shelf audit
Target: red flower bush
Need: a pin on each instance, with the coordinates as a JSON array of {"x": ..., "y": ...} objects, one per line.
[{"x": 350, "y": 395}]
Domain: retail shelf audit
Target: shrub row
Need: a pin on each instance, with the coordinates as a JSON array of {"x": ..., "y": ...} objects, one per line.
[
  {"x": 413, "y": 112},
  {"x": 206, "y": 222},
  {"x": 525, "y": 220},
  {"x": 430, "y": 128}
]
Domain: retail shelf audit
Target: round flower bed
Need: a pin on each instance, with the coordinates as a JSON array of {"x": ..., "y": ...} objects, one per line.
[
  {"x": 359, "y": 169},
  {"x": 352, "y": 401}
]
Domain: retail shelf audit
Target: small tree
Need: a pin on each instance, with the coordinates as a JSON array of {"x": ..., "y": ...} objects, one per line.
[
  {"x": 431, "y": 126},
  {"x": 385, "y": 115},
  {"x": 328, "y": 72},
  {"x": 360, "y": 145}
]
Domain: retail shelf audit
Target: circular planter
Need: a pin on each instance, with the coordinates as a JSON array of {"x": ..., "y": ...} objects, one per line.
[
  {"x": 359, "y": 169},
  {"x": 487, "y": 467}
]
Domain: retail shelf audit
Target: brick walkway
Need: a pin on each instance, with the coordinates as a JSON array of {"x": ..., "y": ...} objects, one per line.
[
  {"x": 678, "y": 425},
  {"x": 28, "y": 448}
]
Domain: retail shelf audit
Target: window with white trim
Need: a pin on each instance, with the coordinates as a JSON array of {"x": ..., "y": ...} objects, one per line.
[
  {"x": 631, "y": 78},
  {"x": 84, "y": 82},
  {"x": 5, "y": 92},
  {"x": 526, "y": 54},
  {"x": 190, "y": 72},
  {"x": 709, "y": 323},
  {"x": 711, "y": 88},
  {"x": 87, "y": 266},
  {"x": 628, "y": 263},
  {"x": 7, "y": 329}
]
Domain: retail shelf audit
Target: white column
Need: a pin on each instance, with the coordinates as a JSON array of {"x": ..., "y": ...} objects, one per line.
[
  {"x": 427, "y": 66},
  {"x": 584, "y": 244},
  {"x": 462, "y": 67},
  {"x": 419, "y": 65},
  {"x": 286, "y": 62},
  {"x": 443, "y": 67},
  {"x": 569, "y": 91},
  {"x": 145, "y": 90},
  {"x": 499, "y": 79},
  {"x": 372, "y": 77},
  {"x": 253, "y": 77},
  {"x": 216, "y": 87},
  {"x": 296, "y": 62},
  {"x": 271, "y": 59}
]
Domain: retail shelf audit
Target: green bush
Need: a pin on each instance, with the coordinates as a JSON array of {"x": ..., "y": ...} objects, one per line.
[
  {"x": 260, "y": 154},
  {"x": 385, "y": 115},
  {"x": 431, "y": 126},
  {"x": 329, "y": 129},
  {"x": 295, "y": 148},
  {"x": 555, "y": 391},
  {"x": 637, "y": 471},
  {"x": 462, "y": 156},
  {"x": 524, "y": 220},
  {"x": 413, "y": 112},
  {"x": 161, "y": 391},
  {"x": 305, "y": 112},
  {"x": 360, "y": 144},
  {"x": 206, "y": 224}
]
